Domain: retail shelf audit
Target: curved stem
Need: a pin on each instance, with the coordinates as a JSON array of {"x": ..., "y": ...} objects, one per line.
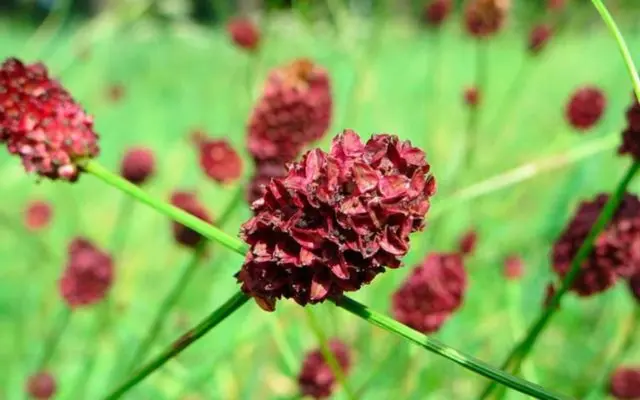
[
  {"x": 445, "y": 351},
  {"x": 53, "y": 340}
]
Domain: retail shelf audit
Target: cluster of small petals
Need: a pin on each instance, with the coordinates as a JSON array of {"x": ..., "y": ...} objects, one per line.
[
  {"x": 485, "y": 17},
  {"x": 88, "y": 275},
  {"x": 42, "y": 124},
  {"x": 585, "y": 107},
  {"x": 264, "y": 172},
  {"x": 631, "y": 135},
  {"x": 513, "y": 267},
  {"x": 436, "y": 11},
  {"x": 188, "y": 202},
  {"x": 634, "y": 285},
  {"x": 431, "y": 293},
  {"x": 38, "y": 215},
  {"x": 615, "y": 250},
  {"x": 624, "y": 384},
  {"x": 218, "y": 159},
  {"x": 467, "y": 244},
  {"x": 293, "y": 111},
  {"x": 316, "y": 379},
  {"x": 41, "y": 386},
  {"x": 138, "y": 165},
  {"x": 539, "y": 37},
  {"x": 335, "y": 220},
  {"x": 472, "y": 96},
  {"x": 244, "y": 33}
]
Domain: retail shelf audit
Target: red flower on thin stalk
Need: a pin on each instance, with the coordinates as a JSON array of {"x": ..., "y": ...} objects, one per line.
[
  {"x": 244, "y": 33},
  {"x": 624, "y": 384},
  {"x": 472, "y": 97},
  {"x": 88, "y": 274},
  {"x": 585, "y": 108},
  {"x": 41, "y": 386},
  {"x": 218, "y": 160},
  {"x": 188, "y": 202},
  {"x": 539, "y": 37},
  {"x": 468, "y": 241},
  {"x": 431, "y": 293},
  {"x": 42, "y": 124},
  {"x": 38, "y": 215},
  {"x": 316, "y": 379},
  {"x": 484, "y": 18},
  {"x": 336, "y": 220},
  {"x": 436, "y": 11},
  {"x": 138, "y": 165}
]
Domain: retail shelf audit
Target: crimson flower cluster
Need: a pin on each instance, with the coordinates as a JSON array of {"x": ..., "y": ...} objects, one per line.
[
  {"x": 244, "y": 33},
  {"x": 38, "y": 215},
  {"x": 631, "y": 135},
  {"x": 436, "y": 11},
  {"x": 432, "y": 292},
  {"x": 624, "y": 384},
  {"x": 539, "y": 37},
  {"x": 88, "y": 275},
  {"x": 218, "y": 160},
  {"x": 188, "y": 202},
  {"x": 138, "y": 165},
  {"x": 616, "y": 251},
  {"x": 335, "y": 220},
  {"x": 41, "y": 386},
  {"x": 585, "y": 107},
  {"x": 316, "y": 379},
  {"x": 42, "y": 124},
  {"x": 484, "y": 18}
]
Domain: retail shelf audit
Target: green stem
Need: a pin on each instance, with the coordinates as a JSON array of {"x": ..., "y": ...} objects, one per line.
[
  {"x": 521, "y": 351},
  {"x": 166, "y": 306},
  {"x": 53, "y": 340},
  {"x": 480, "y": 82},
  {"x": 445, "y": 351},
  {"x": 216, "y": 317},
  {"x": 205, "y": 229},
  {"x": 328, "y": 354}
]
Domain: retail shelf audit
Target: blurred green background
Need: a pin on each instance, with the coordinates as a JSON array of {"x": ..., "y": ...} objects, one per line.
[{"x": 390, "y": 73}]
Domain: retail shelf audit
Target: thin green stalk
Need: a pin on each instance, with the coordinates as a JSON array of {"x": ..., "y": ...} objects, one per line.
[
  {"x": 216, "y": 317},
  {"x": 445, "y": 351},
  {"x": 53, "y": 340},
  {"x": 205, "y": 229},
  {"x": 473, "y": 121},
  {"x": 139, "y": 355},
  {"x": 521, "y": 351},
  {"x": 328, "y": 355}
]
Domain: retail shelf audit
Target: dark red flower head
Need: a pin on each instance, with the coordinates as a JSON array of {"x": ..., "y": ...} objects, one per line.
[
  {"x": 138, "y": 165},
  {"x": 513, "y": 268},
  {"x": 631, "y": 135},
  {"x": 264, "y": 172},
  {"x": 433, "y": 291},
  {"x": 614, "y": 251},
  {"x": 88, "y": 275},
  {"x": 316, "y": 379},
  {"x": 468, "y": 243},
  {"x": 585, "y": 107},
  {"x": 42, "y": 124},
  {"x": 484, "y": 18},
  {"x": 335, "y": 220},
  {"x": 38, "y": 215},
  {"x": 244, "y": 33},
  {"x": 218, "y": 160},
  {"x": 634, "y": 285},
  {"x": 188, "y": 202},
  {"x": 472, "y": 96},
  {"x": 41, "y": 386},
  {"x": 625, "y": 383},
  {"x": 436, "y": 11},
  {"x": 293, "y": 111},
  {"x": 539, "y": 37}
]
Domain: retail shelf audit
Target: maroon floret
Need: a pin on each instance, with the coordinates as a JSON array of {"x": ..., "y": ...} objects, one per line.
[
  {"x": 293, "y": 111},
  {"x": 138, "y": 165},
  {"x": 631, "y": 135},
  {"x": 42, "y": 124},
  {"x": 316, "y": 379},
  {"x": 610, "y": 257},
  {"x": 335, "y": 220},
  {"x": 472, "y": 97},
  {"x": 38, "y": 215},
  {"x": 513, "y": 267},
  {"x": 539, "y": 37},
  {"x": 41, "y": 386},
  {"x": 218, "y": 160},
  {"x": 88, "y": 275},
  {"x": 433, "y": 291},
  {"x": 436, "y": 11},
  {"x": 264, "y": 172},
  {"x": 468, "y": 242},
  {"x": 244, "y": 33},
  {"x": 484, "y": 18},
  {"x": 624, "y": 384},
  {"x": 585, "y": 107},
  {"x": 188, "y": 202}
]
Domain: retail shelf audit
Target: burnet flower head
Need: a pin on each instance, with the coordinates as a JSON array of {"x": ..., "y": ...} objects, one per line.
[
  {"x": 435, "y": 12},
  {"x": 42, "y": 124},
  {"x": 484, "y": 18},
  {"x": 624, "y": 383},
  {"x": 336, "y": 220},
  {"x": 316, "y": 379},
  {"x": 218, "y": 159},
  {"x": 188, "y": 201},
  {"x": 631, "y": 134},
  {"x": 138, "y": 165},
  {"x": 539, "y": 37},
  {"x": 585, "y": 108},
  {"x": 41, "y": 386},
  {"x": 244, "y": 33},
  {"x": 38, "y": 215}
]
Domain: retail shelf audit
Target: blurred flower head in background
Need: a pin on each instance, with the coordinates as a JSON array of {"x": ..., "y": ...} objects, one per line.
[
  {"x": 585, "y": 107},
  {"x": 513, "y": 267},
  {"x": 218, "y": 160},
  {"x": 244, "y": 33},
  {"x": 38, "y": 215},
  {"x": 624, "y": 384},
  {"x": 41, "y": 386},
  {"x": 436, "y": 11},
  {"x": 188, "y": 202},
  {"x": 138, "y": 165},
  {"x": 539, "y": 37},
  {"x": 467, "y": 243},
  {"x": 316, "y": 379},
  {"x": 484, "y": 18}
]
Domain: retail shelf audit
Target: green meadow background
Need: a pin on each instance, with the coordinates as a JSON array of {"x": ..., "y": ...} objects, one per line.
[{"x": 389, "y": 74}]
